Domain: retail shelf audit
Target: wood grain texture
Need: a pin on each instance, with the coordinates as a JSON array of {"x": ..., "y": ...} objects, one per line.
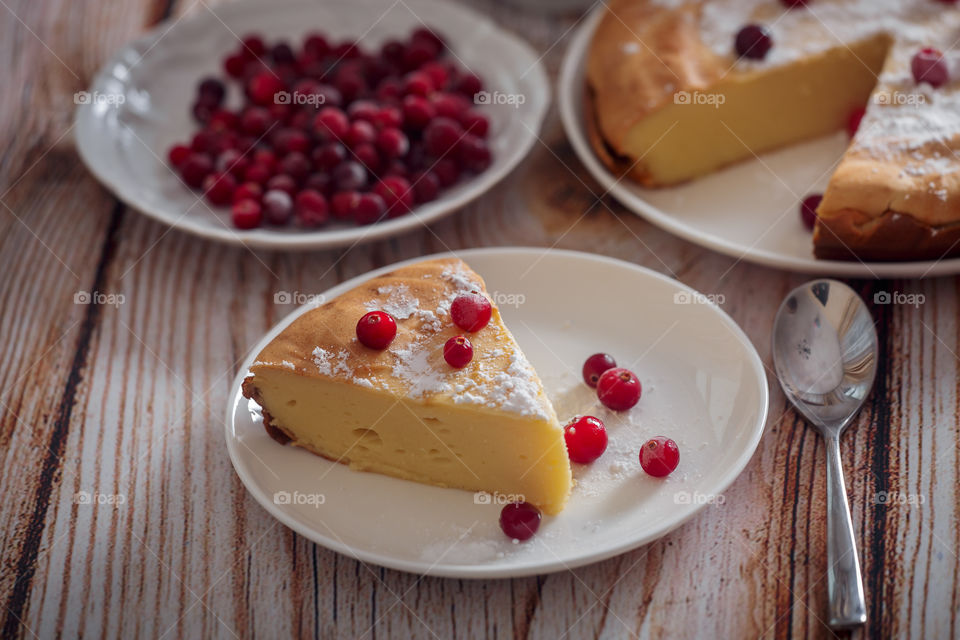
[{"x": 127, "y": 401}]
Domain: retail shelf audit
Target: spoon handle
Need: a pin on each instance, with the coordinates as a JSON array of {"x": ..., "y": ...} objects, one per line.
[{"x": 844, "y": 583}]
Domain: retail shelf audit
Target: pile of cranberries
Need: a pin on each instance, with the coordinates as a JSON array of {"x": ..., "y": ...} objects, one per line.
[{"x": 330, "y": 131}]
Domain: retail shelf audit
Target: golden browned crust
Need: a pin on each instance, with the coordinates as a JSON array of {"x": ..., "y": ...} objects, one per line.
[
  {"x": 852, "y": 234},
  {"x": 276, "y": 432}
]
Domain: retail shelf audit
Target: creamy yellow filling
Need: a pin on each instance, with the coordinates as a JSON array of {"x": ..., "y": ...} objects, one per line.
[
  {"x": 463, "y": 446},
  {"x": 748, "y": 113}
]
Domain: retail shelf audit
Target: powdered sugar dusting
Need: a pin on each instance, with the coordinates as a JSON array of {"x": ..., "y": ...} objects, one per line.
[{"x": 398, "y": 302}]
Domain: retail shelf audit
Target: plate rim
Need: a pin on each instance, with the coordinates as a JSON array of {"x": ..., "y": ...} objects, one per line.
[
  {"x": 480, "y": 571},
  {"x": 574, "y": 60},
  {"x": 421, "y": 216}
]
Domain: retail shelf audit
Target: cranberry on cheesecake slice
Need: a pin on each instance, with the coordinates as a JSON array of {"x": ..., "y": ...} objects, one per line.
[{"x": 395, "y": 403}]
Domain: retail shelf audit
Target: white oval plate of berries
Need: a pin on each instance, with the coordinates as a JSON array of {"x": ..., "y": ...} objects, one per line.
[
  {"x": 690, "y": 401},
  {"x": 307, "y": 125},
  {"x": 757, "y": 210}
]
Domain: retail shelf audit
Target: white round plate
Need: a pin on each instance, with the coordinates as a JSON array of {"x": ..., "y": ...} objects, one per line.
[
  {"x": 139, "y": 103},
  {"x": 704, "y": 386},
  {"x": 748, "y": 211}
]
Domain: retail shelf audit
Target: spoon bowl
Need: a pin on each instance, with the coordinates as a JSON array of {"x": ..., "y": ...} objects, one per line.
[{"x": 825, "y": 356}]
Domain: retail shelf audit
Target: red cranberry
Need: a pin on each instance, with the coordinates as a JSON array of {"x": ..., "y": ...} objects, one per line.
[
  {"x": 296, "y": 165},
  {"x": 331, "y": 123},
  {"x": 520, "y": 520},
  {"x": 376, "y": 329},
  {"x": 204, "y": 141},
  {"x": 365, "y": 110},
  {"x": 211, "y": 91},
  {"x": 368, "y": 156},
  {"x": 428, "y": 35},
  {"x": 458, "y": 352},
  {"x": 277, "y": 207},
  {"x": 253, "y": 45},
  {"x": 350, "y": 84},
  {"x": 618, "y": 389},
  {"x": 248, "y": 191},
  {"x": 396, "y": 194},
  {"x": 659, "y": 456},
  {"x": 417, "y": 112},
  {"x": 349, "y": 176},
  {"x": 390, "y": 90},
  {"x": 853, "y": 122},
  {"x": 450, "y": 105},
  {"x": 426, "y": 187},
  {"x": 473, "y": 153},
  {"x": 310, "y": 208},
  {"x": 392, "y": 50},
  {"x": 476, "y": 123},
  {"x": 282, "y": 182},
  {"x": 288, "y": 140},
  {"x": 370, "y": 208},
  {"x": 754, "y": 42},
  {"x": 471, "y": 312},
  {"x": 417, "y": 84},
  {"x": 393, "y": 143},
  {"x": 438, "y": 73},
  {"x": 195, "y": 169},
  {"x": 282, "y": 53},
  {"x": 246, "y": 214},
  {"x": 257, "y": 172},
  {"x": 224, "y": 120},
  {"x": 262, "y": 87},
  {"x": 235, "y": 65},
  {"x": 178, "y": 154},
  {"x": 233, "y": 162},
  {"x": 793, "y": 4},
  {"x": 329, "y": 155},
  {"x": 265, "y": 157},
  {"x": 316, "y": 45},
  {"x": 360, "y": 132},
  {"x": 928, "y": 65},
  {"x": 319, "y": 182},
  {"x": 447, "y": 171},
  {"x": 594, "y": 366},
  {"x": 388, "y": 117},
  {"x": 219, "y": 188},
  {"x": 419, "y": 52},
  {"x": 344, "y": 203},
  {"x": 469, "y": 85},
  {"x": 586, "y": 439},
  {"x": 255, "y": 120},
  {"x": 441, "y": 136},
  {"x": 808, "y": 209}
]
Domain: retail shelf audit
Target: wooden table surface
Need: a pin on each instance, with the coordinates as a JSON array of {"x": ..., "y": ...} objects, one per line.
[{"x": 128, "y": 400}]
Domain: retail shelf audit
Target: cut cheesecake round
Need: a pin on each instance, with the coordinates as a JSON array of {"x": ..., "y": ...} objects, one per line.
[
  {"x": 403, "y": 411},
  {"x": 669, "y": 101}
]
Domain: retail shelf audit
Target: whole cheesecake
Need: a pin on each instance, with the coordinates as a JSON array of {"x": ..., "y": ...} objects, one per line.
[
  {"x": 670, "y": 100},
  {"x": 404, "y": 411}
]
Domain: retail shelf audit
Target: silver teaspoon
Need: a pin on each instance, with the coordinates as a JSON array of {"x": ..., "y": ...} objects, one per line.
[{"x": 825, "y": 355}]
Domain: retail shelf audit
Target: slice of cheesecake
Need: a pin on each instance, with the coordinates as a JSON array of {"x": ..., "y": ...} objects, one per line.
[{"x": 403, "y": 411}]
